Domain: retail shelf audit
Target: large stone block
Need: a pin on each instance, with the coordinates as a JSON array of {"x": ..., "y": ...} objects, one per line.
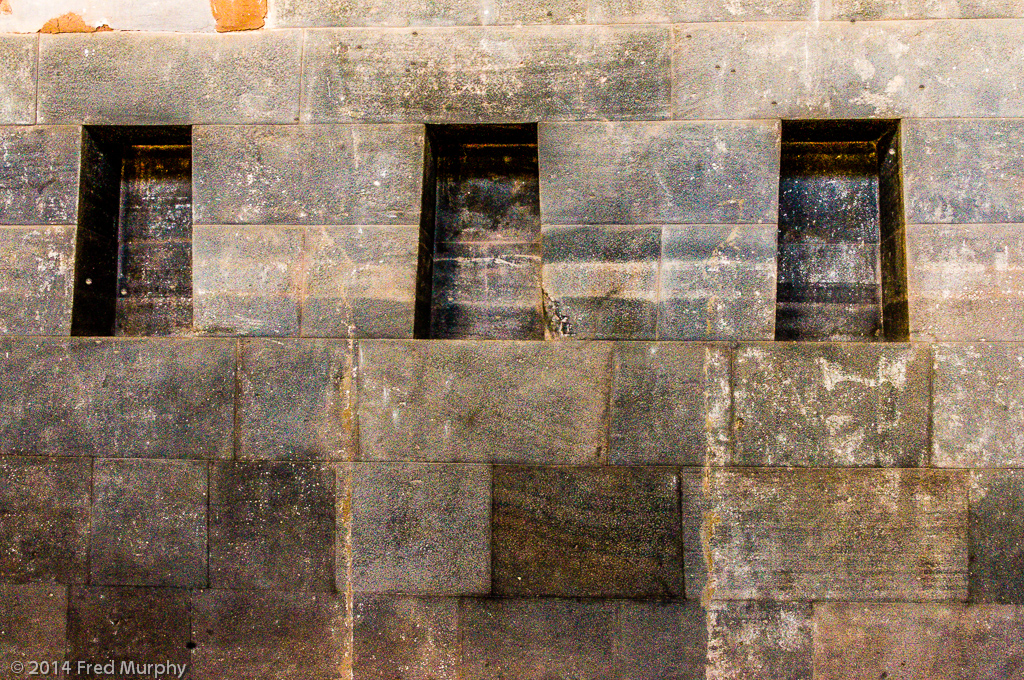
[
  {"x": 586, "y": 532},
  {"x": 483, "y": 401},
  {"x": 661, "y": 640},
  {"x": 421, "y": 528},
  {"x": 297, "y": 400},
  {"x": 33, "y": 625},
  {"x": 858, "y": 10},
  {"x": 826, "y": 534},
  {"x": 492, "y": 75},
  {"x": 405, "y": 638},
  {"x": 44, "y": 536},
  {"x": 18, "y": 79},
  {"x": 39, "y": 174},
  {"x": 832, "y": 405},
  {"x": 123, "y": 78},
  {"x": 186, "y": 16},
  {"x": 149, "y": 523},
  {"x": 676, "y": 11},
  {"x": 763, "y": 640},
  {"x": 286, "y": 13},
  {"x": 917, "y": 641},
  {"x": 717, "y": 282},
  {"x": 659, "y": 172},
  {"x": 978, "y": 406},
  {"x": 997, "y": 536},
  {"x": 37, "y": 280},
  {"x": 305, "y": 174}
]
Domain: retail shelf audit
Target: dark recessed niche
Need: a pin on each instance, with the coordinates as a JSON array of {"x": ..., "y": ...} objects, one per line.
[
  {"x": 842, "y": 254},
  {"x": 133, "y": 263},
  {"x": 479, "y": 270}
]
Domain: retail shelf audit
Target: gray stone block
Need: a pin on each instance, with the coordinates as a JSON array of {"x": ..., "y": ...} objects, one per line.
[
  {"x": 37, "y": 282},
  {"x": 537, "y": 639},
  {"x": 18, "y": 79},
  {"x": 287, "y": 13},
  {"x": 169, "y": 78},
  {"x": 661, "y": 641},
  {"x": 978, "y": 406},
  {"x": 917, "y": 641},
  {"x": 966, "y": 281},
  {"x": 149, "y": 523},
  {"x": 360, "y": 281},
  {"x": 659, "y": 173},
  {"x": 486, "y": 75},
  {"x": 483, "y": 402},
  {"x": 601, "y": 282},
  {"x": 247, "y": 280},
  {"x": 405, "y": 638},
  {"x": 315, "y": 175},
  {"x": 297, "y": 400},
  {"x": 272, "y": 526},
  {"x": 586, "y": 532},
  {"x": 831, "y": 405},
  {"x": 676, "y": 11},
  {"x": 421, "y": 528},
  {"x": 33, "y": 625},
  {"x": 270, "y": 635},
  {"x": 926, "y": 9},
  {"x": 44, "y": 537},
  {"x": 827, "y": 535},
  {"x": 997, "y": 536},
  {"x": 39, "y": 175},
  {"x": 671, "y": 404},
  {"x": 763, "y": 640},
  {"x": 717, "y": 282}
]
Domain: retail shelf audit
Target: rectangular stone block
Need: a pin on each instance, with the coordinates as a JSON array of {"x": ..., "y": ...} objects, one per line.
[
  {"x": 917, "y": 641},
  {"x": 186, "y": 16},
  {"x": 826, "y": 534},
  {"x": 675, "y": 11},
  {"x": 601, "y": 282},
  {"x": 832, "y": 405},
  {"x": 486, "y": 75},
  {"x": 483, "y": 401},
  {"x": 39, "y": 174},
  {"x": 18, "y": 79},
  {"x": 149, "y": 523},
  {"x": 297, "y": 400},
  {"x": 272, "y": 526},
  {"x": 360, "y": 281},
  {"x": 763, "y": 640},
  {"x": 978, "y": 406},
  {"x": 169, "y": 78},
  {"x": 867, "y": 10},
  {"x": 966, "y": 281},
  {"x": 661, "y": 640},
  {"x": 44, "y": 536},
  {"x": 421, "y": 528},
  {"x": 586, "y": 532},
  {"x": 33, "y": 625},
  {"x": 247, "y": 280},
  {"x": 37, "y": 282},
  {"x": 405, "y": 638},
  {"x": 997, "y": 536},
  {"x": 286, "y": 13},
  {"x": 671, "y": 172},
  {"x": 671, "y": 404},
  {"x": 271, "y": 635},
  {"x": 717, "y": 282}
]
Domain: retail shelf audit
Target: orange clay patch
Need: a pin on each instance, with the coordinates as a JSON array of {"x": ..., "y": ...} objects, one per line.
[
  {"x": 70, "y": 23},
  {"x": 239, "y": 15},
  {"x": 5, "y": 7}
]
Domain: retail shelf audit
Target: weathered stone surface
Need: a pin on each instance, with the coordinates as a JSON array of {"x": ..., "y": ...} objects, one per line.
[
  {"x": 717, "y": 282},
  {"x": 966, "y": 281},
  {"x": 536, "y": 639},
  {"x": 671, "y": 404},
  {"x": 483, "y": 402},
  {"x": 676, "y": 11},
  {"x": 831, "y": 405},
  {"x": 360, "y": 281},
  {"x": 305, "y": 174},
  {"x": 141, "y": 625},
  {"x": 287, "y": 13},
  {"x": 997, "y": 536},
  {"x": 247, "y": 280},
  {"x": 33, "y": 624},
  {"x": 271, "y": 635},
  {"x": 44, "y": 536},
  {"x": 492, "y": 75},
  {"x": 659, "y": 173},
  {"x": 37, "y": 280},
  {"x": 272, "y": 526},
  {"x": 166, "y": 78},
  {"x": 297, "y": 400},
  {"x": 149, "y": 523},
  {"x": 917, "y": 641},
  {"x": 978, "y": 411},
  {"x": 187, "y": 16},
  {"x": 926, "y": 9},
  {"x": 763, "y": 640},
  {"x": 661, "y": 641},
  {"x": 601, "y": 282},
  {"x": 826, "y": 534},
  {"x": 39, "y": 174},
  {"x": 586, "y": 532},
  {"x": 405, "y": 638},
  {"x": 118, "y": 398},
  {"x": 18, "y": 79},
  {"x": 421, "y": 528}
]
